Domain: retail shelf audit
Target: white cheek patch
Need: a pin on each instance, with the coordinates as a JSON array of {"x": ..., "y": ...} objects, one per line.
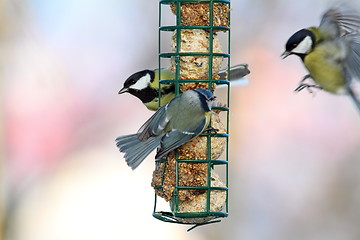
[
  {"x": 304, "y": 46},
  {"x": 142, "y": 83}
]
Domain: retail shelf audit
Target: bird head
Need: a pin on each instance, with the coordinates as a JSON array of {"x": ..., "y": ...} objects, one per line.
[
  {"x": 300, "y": 43},
  {"x": 206, "y": 98},
  {"x": 138, "y": 81}
]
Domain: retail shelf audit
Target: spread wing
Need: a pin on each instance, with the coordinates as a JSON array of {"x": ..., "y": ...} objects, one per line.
[
  {"x": 337, "y": 22},
  {"x": 352, "y": 64},
  {"x": 176, "y": 138},
  {"x": 352, "y": 67}
]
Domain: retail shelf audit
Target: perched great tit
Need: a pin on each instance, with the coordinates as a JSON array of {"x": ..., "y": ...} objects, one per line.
[
  {"x": 330, "y": 52},
  {"x": 180, "y": 120},
  {"x": 145, "y": 84}
]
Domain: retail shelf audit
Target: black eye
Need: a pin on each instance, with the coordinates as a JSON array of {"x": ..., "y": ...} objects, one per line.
[{"x": 132, "y": 81}]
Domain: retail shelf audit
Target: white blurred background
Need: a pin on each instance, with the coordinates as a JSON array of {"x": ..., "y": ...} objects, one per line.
[{"x": 294, "y": 158}]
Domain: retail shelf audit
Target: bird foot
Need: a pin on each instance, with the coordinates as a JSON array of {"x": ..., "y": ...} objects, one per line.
[
  {"x": 211, "y": 129},
  {"x": 304, "y": 78},
  {"x": 307, "y": 86}
]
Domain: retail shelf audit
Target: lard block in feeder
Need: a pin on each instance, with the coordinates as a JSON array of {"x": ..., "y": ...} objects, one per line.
[
  {"x": 198, "y": 14},
  {"x": 196, "y": 67},
  {"x": 189, "y": 174},
  {"x": 199, "y": 202}
]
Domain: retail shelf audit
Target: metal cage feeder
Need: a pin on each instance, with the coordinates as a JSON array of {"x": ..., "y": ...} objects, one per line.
[{"x": 206, "y": 190}]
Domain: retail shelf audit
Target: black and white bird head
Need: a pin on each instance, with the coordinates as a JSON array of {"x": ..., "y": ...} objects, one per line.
[
  {"x": 138, "y": 81},
  {"x": 300, "y": 43},
  {"x": 139, "y": 85}
]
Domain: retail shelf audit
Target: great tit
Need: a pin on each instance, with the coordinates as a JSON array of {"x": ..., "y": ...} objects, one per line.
[
  {"x": 180, "y": 120},
  {"x": 330, "y": 52},
  {"x": 145, "y": 84}
]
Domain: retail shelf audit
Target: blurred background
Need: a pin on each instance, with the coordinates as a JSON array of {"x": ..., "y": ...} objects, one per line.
[{"x": 294, "y": 158}]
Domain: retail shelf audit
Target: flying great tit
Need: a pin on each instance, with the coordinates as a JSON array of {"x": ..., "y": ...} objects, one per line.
[
  {"x": 180, "y": 120},
  {"x": 330, "y": 52},
  {"x": 145, "y": 84}
]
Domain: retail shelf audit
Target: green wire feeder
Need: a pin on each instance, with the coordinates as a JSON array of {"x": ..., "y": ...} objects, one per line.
[{"x": 187, "y": 177}]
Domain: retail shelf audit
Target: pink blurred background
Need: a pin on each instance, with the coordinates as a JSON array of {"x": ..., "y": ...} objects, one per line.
[{"x": 294, "y": 158}]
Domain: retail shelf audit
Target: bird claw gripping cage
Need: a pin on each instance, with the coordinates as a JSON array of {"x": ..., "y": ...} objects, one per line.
[{"x": 187, "y": 177}]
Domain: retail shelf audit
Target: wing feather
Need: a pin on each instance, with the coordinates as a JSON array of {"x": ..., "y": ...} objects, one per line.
[
  {"x": 176, "y": 138},
  {"x": 339, "y": 21},
  {"x": 154, "y": 125},
  {"x": 352, "y": 64}
]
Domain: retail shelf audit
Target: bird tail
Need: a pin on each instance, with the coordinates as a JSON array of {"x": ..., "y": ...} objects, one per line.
[
  {"x": 354, "y": 98},
  {"x": 236, "y": 72},
  {"x": 135, "y": 150},
  {"x": 235, "y": 75}
]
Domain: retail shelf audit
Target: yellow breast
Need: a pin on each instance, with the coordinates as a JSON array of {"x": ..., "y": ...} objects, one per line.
[
  {"x": 154, "y": 104},
  {"x": 324, "y": 69}
]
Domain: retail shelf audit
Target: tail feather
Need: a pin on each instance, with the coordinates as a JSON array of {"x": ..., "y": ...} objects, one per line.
[
  {"x": 135, "y": 150},
  {"x": 124, "y": 140},
  {"x": 236, "y": 72}
]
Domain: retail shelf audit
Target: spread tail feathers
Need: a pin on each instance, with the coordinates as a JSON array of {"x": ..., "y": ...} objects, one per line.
[{"x": 135, "y": 150}]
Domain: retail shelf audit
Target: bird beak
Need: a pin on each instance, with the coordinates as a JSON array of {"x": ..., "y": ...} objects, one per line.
[
  {"x": 123, "y": 90},
  {"x": 285, "y": 54}
]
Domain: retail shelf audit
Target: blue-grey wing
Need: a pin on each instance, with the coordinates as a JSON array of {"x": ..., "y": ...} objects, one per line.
[
  {"x": 155, "y": 125},
  {"x": 176, "y": 138}
]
